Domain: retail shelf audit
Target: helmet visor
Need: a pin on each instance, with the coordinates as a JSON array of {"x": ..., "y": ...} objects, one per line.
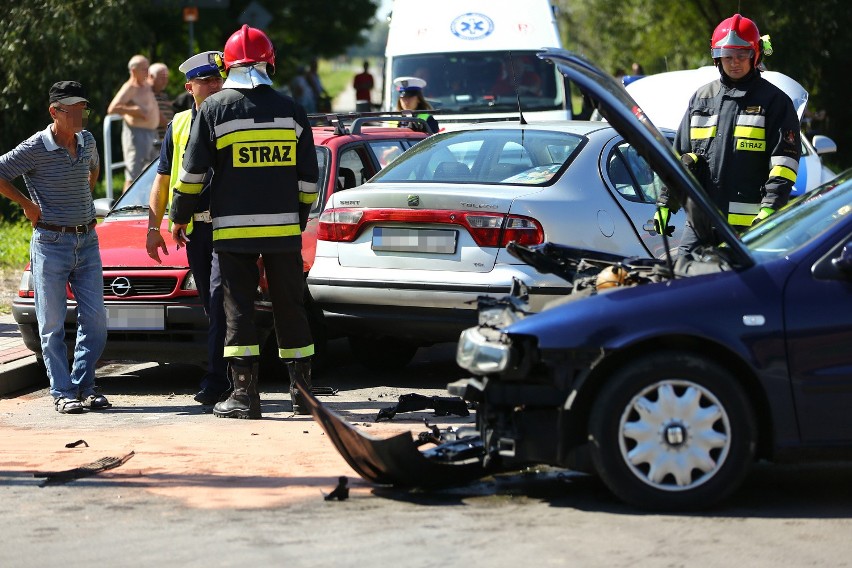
[{"x": 736, "y": 52}]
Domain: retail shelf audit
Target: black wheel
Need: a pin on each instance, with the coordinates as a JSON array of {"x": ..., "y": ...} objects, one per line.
[
  {"x": 382, "y": 353},
  {"x": 672, "y": 431}
]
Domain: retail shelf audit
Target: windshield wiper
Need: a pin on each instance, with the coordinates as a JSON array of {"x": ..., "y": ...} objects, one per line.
[{"x": 125, "y": 208}]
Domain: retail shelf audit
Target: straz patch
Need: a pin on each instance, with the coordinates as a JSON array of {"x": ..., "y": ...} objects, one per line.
[
  {"x": 264, "y": 154},
  {"x": 752, "y": 110},
  {"x": 751, "y": 145}
]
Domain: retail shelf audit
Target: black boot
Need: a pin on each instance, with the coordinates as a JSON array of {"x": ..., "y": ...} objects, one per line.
[
  {"x": 300, "y": 370},
  {"x": 244, "y": 401}
]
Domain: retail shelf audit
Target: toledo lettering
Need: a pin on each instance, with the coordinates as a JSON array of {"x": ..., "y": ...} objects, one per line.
[{"x": 264, "y": 154}]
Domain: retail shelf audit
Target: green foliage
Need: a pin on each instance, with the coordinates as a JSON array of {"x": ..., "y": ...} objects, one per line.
[{"x": 15, "y": 244}]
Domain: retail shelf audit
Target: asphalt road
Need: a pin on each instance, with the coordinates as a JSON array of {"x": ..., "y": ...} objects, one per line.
[{"x": 201, "y": 491}]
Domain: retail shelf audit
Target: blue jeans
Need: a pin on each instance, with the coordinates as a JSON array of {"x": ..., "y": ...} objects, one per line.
[{"x": 58, "y": 259}]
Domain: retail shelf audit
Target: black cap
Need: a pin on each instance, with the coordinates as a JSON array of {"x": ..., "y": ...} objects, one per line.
[{"x": 68, "y": 93}]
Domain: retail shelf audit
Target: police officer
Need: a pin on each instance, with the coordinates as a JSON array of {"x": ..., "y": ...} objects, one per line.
[
  {"x": 739, "y": 136},
  {"x": 203, "y": 78},
  {"x": 411, "y": 98},
  {"x": 260, "y": 146}
]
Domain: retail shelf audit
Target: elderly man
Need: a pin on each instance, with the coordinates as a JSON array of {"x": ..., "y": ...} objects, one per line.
[
  {"x": 202, "y": 80},
  {"x": 60, "y": 165},
  {"x": 135, "y": 102},
  {"x": 158, "y": 77}
]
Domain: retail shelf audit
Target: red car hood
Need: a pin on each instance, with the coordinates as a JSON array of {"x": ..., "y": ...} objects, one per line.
[{"x": 122, "y": 243}]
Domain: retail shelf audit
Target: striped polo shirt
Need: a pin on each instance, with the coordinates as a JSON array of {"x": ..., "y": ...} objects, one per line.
[{"x": 56, "y": 183}]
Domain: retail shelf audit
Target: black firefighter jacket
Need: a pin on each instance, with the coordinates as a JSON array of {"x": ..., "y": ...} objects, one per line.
[
  {"x": 261, "y": 148},
  {"x": 746, "y": 136}
]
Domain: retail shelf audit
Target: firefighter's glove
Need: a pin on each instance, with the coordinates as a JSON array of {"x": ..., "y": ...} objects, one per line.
[
  {"x": 691, "y": 161},
  {"x": 764, "y": 213},
  {"x": 661, "y": 221}
]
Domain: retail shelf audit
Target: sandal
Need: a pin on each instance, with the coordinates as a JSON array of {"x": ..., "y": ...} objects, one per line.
[{"x": 68, "y": 405}]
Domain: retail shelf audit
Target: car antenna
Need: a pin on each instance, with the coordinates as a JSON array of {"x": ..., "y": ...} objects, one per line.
[{"x": 517, "y": 91}]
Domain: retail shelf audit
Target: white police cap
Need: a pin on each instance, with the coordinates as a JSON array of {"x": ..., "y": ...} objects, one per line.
[
  {"x": 201, "y": 65},
  {"x": 409, "y": 84}
]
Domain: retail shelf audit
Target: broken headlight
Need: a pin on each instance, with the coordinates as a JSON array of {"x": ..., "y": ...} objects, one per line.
[{"x": 483, "y": 355}]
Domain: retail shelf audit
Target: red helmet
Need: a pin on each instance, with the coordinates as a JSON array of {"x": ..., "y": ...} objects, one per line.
[
  {"x": 247, "y": 46},
  {"x": 736, "y": 33}
]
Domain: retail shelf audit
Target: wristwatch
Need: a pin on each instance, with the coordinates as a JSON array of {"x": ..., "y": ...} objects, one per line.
[{"x": 153, "y": 229}]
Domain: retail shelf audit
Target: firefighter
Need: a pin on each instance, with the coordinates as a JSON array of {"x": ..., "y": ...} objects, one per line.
[
  {"x": 260, "y": 146},
  {"x": 740, "y": 136}
]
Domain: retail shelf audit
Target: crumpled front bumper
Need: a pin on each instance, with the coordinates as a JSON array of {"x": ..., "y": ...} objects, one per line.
[{"x": 396, "y": 460}]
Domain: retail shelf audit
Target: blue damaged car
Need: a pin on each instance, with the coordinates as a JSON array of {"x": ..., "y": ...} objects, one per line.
[{"x": 667, "y": 378}]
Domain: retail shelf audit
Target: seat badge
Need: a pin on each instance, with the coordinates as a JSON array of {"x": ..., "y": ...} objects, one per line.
[{"x": 413, "y": 200}]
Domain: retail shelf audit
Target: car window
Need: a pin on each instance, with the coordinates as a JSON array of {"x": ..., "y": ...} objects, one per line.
[
  {"x": 354, "y": 168},
  {"x": 387, "y": 151},
  {"x": 631, "y": 176},
  {"x": 801, "y": 221},
  {"x": 512, "y": 157},
  {"x": 322, "y": 162}
]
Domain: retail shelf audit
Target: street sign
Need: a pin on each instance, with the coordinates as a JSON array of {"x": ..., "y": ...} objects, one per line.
[{"x": 190, "y": 14}]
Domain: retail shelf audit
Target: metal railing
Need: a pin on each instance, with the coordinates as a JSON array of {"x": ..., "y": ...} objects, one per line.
[{"x": 109, "y": 166}]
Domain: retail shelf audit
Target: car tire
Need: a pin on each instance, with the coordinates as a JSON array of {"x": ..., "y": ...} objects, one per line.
[
  {"x": 382, "y": 353},
  {"x": 696, "y": 427}
]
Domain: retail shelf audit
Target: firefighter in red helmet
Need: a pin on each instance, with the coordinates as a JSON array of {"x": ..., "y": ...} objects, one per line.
[
  {"x": 740, "y": 136},
  {"x": 261, "y": 148}
]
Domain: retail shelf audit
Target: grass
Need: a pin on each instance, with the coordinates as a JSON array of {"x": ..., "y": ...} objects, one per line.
[
  {"x": 335, "y": 78},
  {"x": 15, "y": 244}
]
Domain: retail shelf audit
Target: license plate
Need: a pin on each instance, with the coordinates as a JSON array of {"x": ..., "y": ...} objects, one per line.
[
  {"x": 437, "y": 241},
  {"x": 136, "y": 317}
]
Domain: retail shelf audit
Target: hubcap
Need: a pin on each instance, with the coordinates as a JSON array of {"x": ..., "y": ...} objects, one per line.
[{"x": 674, "y": 435}]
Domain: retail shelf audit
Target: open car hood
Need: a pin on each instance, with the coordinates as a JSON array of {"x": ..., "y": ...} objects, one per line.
[
  {"x": 398, "y": 460},
  {"x": 629, "y": 119},
  {"x": 679, "y": 86}
]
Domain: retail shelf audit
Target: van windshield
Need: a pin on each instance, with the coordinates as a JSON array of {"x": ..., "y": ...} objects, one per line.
[{"x": 465, "y": 82}]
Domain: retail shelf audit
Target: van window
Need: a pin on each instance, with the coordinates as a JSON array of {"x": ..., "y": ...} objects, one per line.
[{"x": 477, "y": 82}]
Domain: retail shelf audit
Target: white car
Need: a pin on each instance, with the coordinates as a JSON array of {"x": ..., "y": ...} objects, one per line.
[
  {"x": 401, "y": 260},
  {"x": 665, "y": 96}
]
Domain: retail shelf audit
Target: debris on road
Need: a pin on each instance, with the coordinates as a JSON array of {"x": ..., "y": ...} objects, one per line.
[
  {"x": 341, "y": 492},
  {"x": 103, "y": 464},
  {"x": 443, "y": 406}
]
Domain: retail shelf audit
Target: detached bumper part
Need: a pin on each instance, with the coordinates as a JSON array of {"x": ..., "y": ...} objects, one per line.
[{"x": 397, "y": 460}]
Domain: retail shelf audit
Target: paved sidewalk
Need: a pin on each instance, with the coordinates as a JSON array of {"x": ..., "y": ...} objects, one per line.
[
  {"x": 18, "y": 367},
  {"x": 11, "y": 345}
]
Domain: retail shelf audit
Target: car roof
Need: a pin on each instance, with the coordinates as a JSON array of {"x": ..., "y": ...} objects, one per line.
[
  {"x": 323, "y": 134},
  {"x": 581, "y": 127}
]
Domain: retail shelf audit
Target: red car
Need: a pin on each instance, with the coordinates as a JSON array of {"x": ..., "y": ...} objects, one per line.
[{"x": 153, "y": 310}]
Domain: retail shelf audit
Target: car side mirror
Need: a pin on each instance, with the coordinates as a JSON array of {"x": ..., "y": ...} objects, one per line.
[
  {"x": 824, "y": 144},
  {"x": 103, "y": 206},
  {"x": 843, "y": 262}
]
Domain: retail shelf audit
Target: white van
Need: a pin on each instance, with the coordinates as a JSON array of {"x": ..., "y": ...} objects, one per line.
[{"x": 477, "y": 57}]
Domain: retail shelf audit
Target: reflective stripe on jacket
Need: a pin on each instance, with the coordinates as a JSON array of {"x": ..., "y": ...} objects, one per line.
[
  {"x": 261, "y": 148},
  {"x": 181, "y": 124}
]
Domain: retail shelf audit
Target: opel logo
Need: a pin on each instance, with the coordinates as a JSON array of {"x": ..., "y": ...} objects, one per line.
[
  {"x": 413, "y": 200},
  {"x": 120, "y": 286}
]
